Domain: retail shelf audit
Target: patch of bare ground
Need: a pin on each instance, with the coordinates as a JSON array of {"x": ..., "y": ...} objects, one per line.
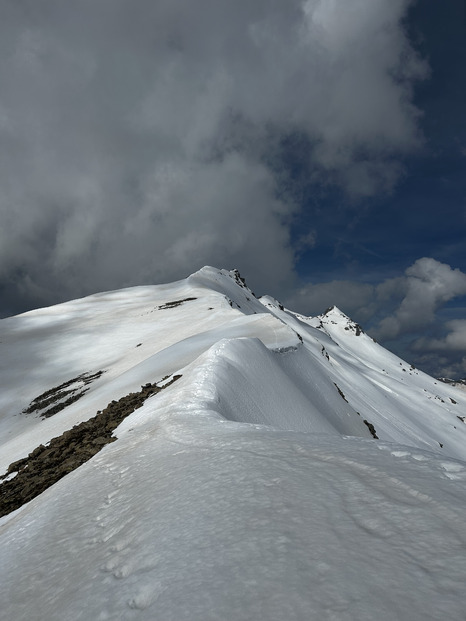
[
  {"x": 174, "y": 303},
  {"x": 61, "y": 396},
  {"x": 27, "y": 478},
  {"x": 371, "y": 428}
]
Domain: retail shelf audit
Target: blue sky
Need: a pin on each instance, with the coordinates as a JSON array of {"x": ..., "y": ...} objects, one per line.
[
  {"x": 317, "y": 145},
  {"x": 425, "y": 213}
]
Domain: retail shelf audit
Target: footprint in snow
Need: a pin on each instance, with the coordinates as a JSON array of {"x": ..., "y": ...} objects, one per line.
[
  {"x": 146, "y": 595},
  {"x": 453, "y": 471},
  {"x": 401, "y": 454}
]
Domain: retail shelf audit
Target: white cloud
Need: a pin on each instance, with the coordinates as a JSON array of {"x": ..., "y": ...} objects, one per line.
[
  {"x": 426, "y": 286},
  {"x": 406, "y": 303},
  {"x": 455, "y": 340}
]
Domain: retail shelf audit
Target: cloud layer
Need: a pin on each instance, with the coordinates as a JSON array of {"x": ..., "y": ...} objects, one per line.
[
  {"x": 143, "y": 140},
  {"x": 426, "y": 286}
]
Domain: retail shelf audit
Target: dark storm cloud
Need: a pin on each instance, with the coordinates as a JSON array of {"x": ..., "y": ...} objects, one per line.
[{"x": 135, "y": 134}]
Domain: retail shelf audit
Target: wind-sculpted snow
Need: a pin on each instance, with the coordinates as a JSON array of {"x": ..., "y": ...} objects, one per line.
[
  {"x": 194, "y": 519},
  {"x": 244, "y": 381},
  {"x": 253, "y": 488},
  {"x": 124, "y": 332}
]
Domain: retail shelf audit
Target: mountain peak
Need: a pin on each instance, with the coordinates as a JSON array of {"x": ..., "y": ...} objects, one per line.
[
  {"x": 334, "y": 311},
  {"x": 199, "y": 404},
  {"x": 335, "y": 316}
]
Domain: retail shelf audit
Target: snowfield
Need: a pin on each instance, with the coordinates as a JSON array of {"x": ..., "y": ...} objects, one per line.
[{"x": 253, "y": 487}]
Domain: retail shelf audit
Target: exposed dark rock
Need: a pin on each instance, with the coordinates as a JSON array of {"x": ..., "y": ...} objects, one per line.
[
  {"x": 341, "y": 392},
  {"x": 355, "y": 327},
  {"x": 174, "y": 303},
  {"x": 239, "y": 279},
  {"x": 45, "y": 465},
  {"x": 371, "y": 429},
  {"x": 61, "y": 397}
]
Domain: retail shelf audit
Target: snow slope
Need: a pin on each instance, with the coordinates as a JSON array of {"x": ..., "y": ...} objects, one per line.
[{"x": 251, "y": 488}]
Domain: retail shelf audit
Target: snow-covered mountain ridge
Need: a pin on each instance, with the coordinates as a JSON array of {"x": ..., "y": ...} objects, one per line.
[{"x": 244, "y": 489}]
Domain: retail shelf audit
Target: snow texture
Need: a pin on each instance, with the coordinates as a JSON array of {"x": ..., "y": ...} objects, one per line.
[{"x": 251, "y": 488}]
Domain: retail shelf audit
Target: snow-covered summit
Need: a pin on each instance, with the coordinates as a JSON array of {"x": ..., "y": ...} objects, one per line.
[{"x": 261, "y": 464}]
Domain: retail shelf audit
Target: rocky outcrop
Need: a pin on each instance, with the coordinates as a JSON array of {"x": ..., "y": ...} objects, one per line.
[{"x": 29, "y": 477}]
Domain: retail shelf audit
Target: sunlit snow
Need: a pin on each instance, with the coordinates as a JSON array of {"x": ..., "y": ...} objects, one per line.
[{"x": 251, "y": 488}]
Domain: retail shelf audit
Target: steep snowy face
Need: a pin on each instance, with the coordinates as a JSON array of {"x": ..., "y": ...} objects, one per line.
[
  {"x": 230, "y": 285},
  {"x": 333, "y": 377},
  {"x": 402, "y": 403},
  {"x": 122, "y": 338}
]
